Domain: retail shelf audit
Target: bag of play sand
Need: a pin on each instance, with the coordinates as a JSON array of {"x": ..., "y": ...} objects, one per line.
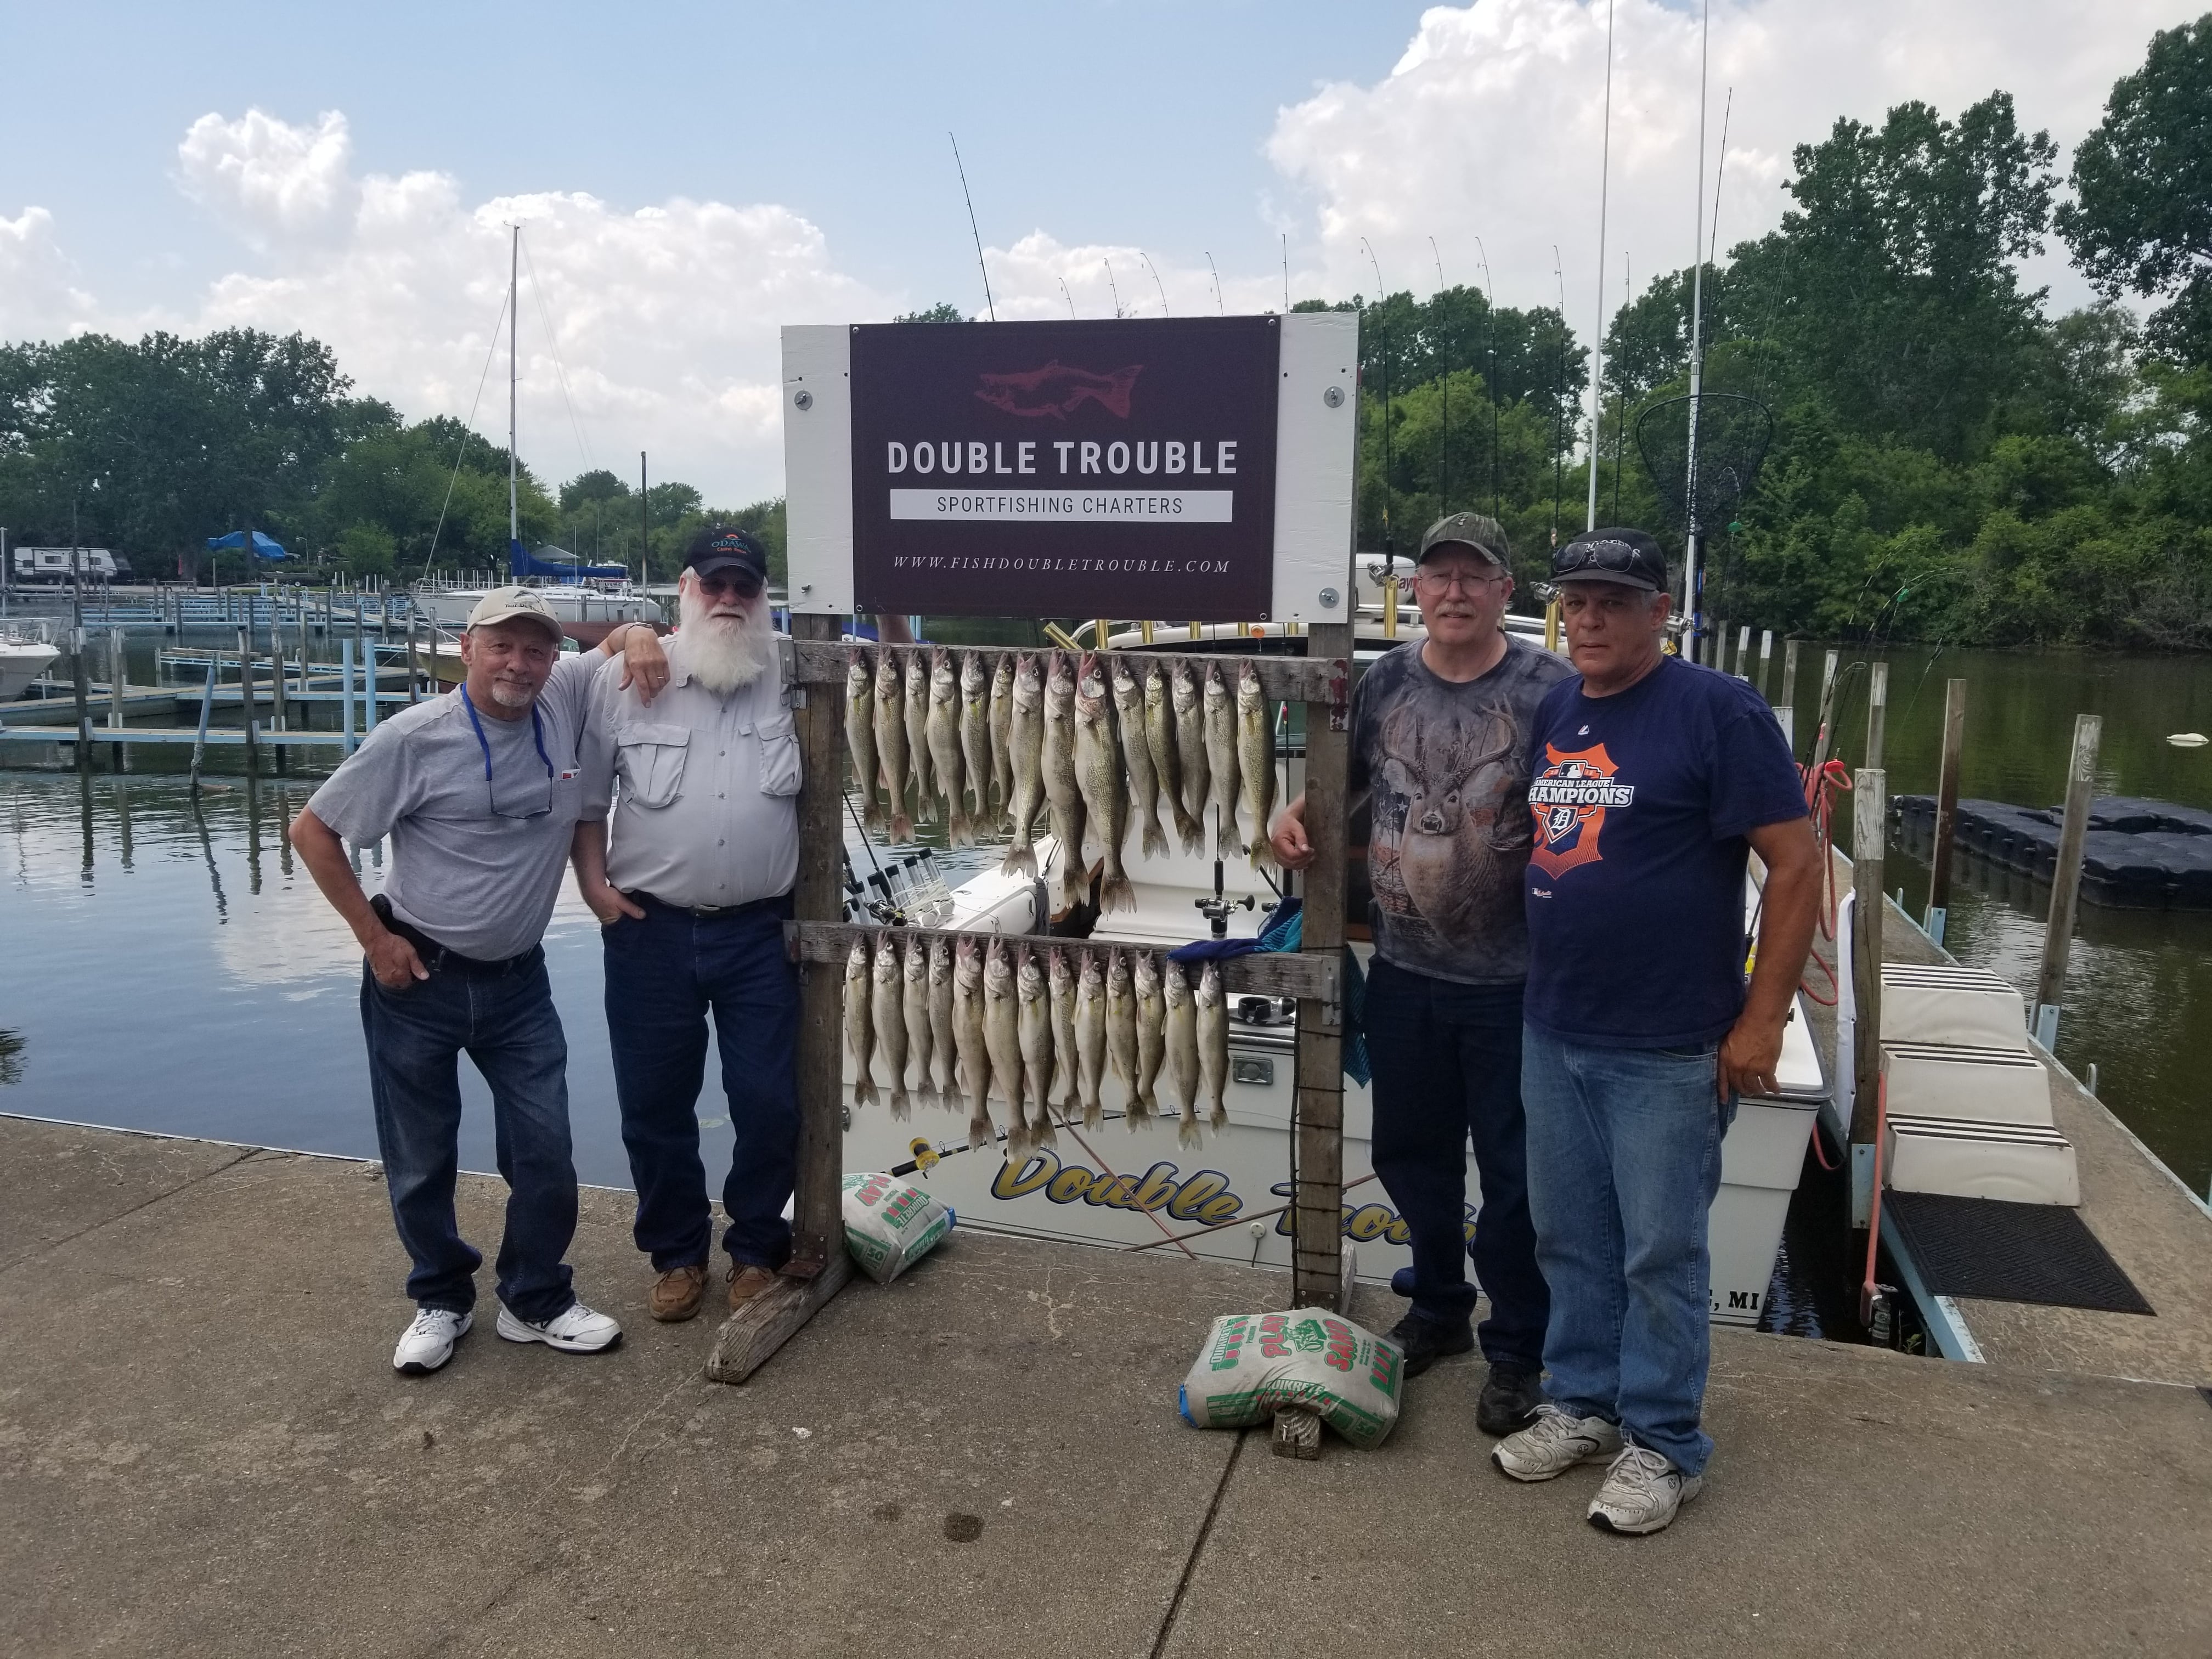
[
  {"x": 888, "y": 1226},
  {"x": 1254, "y": 1363}
]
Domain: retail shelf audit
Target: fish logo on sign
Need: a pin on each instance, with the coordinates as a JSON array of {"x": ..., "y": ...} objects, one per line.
[
  {"x": 1058, "y": 390},
  {"x": 1569, "y": 799}
]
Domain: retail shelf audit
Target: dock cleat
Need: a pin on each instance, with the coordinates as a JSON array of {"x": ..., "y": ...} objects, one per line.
[
  {"x": 428, "y": 1343},
  {"x": 574, "y": 1329},
  {"x": 1554, "y": 1444},
  {"x": 1642, "y": 1492}
]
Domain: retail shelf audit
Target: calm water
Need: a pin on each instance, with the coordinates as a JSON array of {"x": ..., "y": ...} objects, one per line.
[{"x": 173, "y": 969}]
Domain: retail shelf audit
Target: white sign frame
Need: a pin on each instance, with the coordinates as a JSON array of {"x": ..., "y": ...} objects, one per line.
[{"x": 1315, "y": 446}]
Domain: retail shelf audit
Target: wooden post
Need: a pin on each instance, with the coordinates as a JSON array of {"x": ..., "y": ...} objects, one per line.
[
  {"x": 1946, "y": 808},
  {"x": 365, "y": 655},
  {"x": 79, "y": 680},
  {"x": 345, "y": 689},
  {"x": 414, "y": 664},
  {"x": 1720, "y": 644},
  {"x": 2066, "y": 879},
  {"x": 1765, "y": 657},
  {"x": 207, "y": 707},
  {"x": 819, "y": 1262},
  {"x": 1743, "y": 653},
  {"x": 1317, "y": 1203},
  {"x": 1877, "y": 711},
  {"x": 246, "y": 696},
  {"x": 1788, "y": 696},
  {"x": 117, "y": 673},
  {"x": 1868, "y": 812}
]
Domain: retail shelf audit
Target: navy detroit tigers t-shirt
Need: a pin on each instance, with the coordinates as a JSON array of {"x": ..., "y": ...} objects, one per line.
[{"x": 1636, "y": 884}]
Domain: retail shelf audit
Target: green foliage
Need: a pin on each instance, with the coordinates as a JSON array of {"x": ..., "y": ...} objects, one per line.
[
  {"x": 942, "y": 311},
  {"x": 2142, "y": 217},
  {"x": 1948, "y": 462},
  {"x": 367, "y": 549}
]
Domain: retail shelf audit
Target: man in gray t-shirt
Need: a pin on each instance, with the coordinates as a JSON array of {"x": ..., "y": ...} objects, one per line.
[
  {"x": 1440, "y": 746},
  {"x": 480, "y": 792}
]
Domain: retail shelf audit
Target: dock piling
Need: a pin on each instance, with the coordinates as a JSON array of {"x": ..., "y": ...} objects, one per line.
[
  {"x": 245, "y": 697},
  {"x": 207, "y": 707},
  {"x": 1877, "y": 711},
  {"x": 345, "y": 692},
  {"x": 1947, "y": 809},
  {"x": 1869, "y": 812},
  {"x": 78, "y": 673},
  {"x": 2066, "y": 879}
]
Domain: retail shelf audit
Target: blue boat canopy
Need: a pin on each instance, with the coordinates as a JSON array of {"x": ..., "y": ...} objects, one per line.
[
  {"x": 263, "y": 547},
  {"x": 566, "y": 567}
]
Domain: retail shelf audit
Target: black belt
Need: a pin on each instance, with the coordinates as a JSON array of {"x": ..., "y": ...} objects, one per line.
[
  {"x": 436, "y": 957},
  {"x": 781, "y": 903}
]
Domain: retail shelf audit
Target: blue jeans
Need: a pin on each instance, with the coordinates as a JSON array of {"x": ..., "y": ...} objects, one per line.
[
  {"x": 664, "y": 973},
  {"x": 506, "y": 1023},
  {"x": 1624, "y": 1160},
  {"x": 1447, "y": 1064}
]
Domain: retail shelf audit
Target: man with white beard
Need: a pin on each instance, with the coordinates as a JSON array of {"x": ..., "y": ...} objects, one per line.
[{"x": 692, "y": 890}]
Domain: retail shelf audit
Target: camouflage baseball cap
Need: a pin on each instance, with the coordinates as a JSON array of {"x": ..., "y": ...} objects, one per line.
[{"x": 1475, "y": 533}]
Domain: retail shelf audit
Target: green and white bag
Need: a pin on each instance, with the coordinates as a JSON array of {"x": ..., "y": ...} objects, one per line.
[
  {"x": 1253, "y": 1364},
  {"x": 890, "y": 1225}
]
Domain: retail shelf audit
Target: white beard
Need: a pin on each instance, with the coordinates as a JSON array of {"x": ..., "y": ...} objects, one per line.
[{"x": 724, "y": 653}]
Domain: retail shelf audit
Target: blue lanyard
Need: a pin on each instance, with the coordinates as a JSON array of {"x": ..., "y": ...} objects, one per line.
[{"x": 537, "y": 735}]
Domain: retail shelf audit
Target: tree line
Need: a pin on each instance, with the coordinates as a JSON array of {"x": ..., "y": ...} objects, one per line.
[{"x": 151, "y": 447}]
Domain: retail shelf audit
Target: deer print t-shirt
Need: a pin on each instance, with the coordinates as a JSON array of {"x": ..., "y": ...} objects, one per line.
[{"x": 1446, "y": 767}]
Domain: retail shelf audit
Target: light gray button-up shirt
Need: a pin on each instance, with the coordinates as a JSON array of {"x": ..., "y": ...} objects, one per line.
[{"x": 707, "y": 810}]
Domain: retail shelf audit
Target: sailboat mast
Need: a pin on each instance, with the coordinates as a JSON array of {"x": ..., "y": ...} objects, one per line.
[
  {"x": 1692, "y": 582},
  {"x": 513, "y": 272},
  {"x": 1598, "y": 340}
]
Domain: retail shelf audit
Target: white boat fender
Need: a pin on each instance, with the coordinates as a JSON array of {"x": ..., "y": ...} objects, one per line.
[{"x": 2188, "y": 740}]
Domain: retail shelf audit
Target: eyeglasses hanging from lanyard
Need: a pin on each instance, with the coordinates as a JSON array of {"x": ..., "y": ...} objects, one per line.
[{"x": 538, "y": 802}]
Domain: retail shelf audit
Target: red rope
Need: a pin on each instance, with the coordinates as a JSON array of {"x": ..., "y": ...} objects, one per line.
[
  {"x": 1873, "y": 1212},
  {"x": 1820, "y": 788}
]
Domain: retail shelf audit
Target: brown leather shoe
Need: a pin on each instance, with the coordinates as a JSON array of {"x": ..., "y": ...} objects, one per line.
[
  {"x": 677, "y": 1294},
  {"x": 746, "y": 1283}
]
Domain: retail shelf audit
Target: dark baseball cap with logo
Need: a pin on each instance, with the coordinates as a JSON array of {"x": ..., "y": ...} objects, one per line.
[
  {"x": 1470, "y": 532},
  {"x": 1615, "y": 554},
  {"x": 720, "y": 548}
]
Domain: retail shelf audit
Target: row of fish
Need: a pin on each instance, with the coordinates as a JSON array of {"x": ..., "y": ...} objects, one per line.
[
  {"x": 1037, "y": 1028},
  {"x": 1089, "y": 744}
]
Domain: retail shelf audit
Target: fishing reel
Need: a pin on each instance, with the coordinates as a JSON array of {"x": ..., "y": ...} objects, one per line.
[{"x": 1217, "y": 909}]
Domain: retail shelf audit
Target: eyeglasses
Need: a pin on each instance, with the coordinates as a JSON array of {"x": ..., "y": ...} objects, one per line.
[
  {"x": 741, "y": 584},
  {"x": 1435, "y": 584}
]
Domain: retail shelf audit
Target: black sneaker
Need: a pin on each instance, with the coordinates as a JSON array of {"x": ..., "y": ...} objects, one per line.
[
  {"x": 1508, "y": 1399},
  {"x": 1425, "y": 1341}
]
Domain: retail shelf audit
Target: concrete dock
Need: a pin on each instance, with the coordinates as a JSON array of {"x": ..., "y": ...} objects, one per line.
[{"x": 204, "y": 1450}]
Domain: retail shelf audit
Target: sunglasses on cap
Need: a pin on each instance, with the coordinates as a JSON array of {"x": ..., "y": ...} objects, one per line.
[{"x": 1611, "y": 556}]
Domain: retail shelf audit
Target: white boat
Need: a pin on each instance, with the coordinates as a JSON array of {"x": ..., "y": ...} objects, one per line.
[
  {"x": 21, "y": 662},
  {"x": 1134, "y": 1187},
  {"x": 572, "y": 601}
]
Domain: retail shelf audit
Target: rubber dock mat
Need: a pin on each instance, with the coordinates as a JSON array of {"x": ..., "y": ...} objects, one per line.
[{"x": 2005, "y": 1252}]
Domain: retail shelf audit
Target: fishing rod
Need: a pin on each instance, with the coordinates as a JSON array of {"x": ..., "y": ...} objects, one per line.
[{"x": 988, "y": 305}]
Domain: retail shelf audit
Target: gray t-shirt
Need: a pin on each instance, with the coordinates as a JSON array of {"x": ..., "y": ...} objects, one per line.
[
  {"x": 1448, "y": 769},
  {"x": 479, "y": 881}
]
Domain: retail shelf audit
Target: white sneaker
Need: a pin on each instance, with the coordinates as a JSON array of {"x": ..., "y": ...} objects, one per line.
[
  {"x": 428, "y": 1342},
  {"x": 1642, "y": 1493},
  {"x": 1554, "y": 1444},
  {"x": 576, "y": 1330}
]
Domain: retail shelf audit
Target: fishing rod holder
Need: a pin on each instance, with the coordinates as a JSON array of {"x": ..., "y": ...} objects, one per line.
[{"x": 1216, "y": 909}]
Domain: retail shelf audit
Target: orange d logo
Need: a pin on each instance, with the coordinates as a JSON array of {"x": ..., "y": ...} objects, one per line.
[{"x": 1569, "y": 799}]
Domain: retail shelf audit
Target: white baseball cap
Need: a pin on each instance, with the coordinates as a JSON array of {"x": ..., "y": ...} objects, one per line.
[{"x": 505, "y": 603}]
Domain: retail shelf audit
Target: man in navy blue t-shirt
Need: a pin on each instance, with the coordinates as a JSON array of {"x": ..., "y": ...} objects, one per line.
[{"x": 1653, "y": 781}]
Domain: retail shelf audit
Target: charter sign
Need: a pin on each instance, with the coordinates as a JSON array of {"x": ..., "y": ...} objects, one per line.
[{"x": 1034, "y": 469}]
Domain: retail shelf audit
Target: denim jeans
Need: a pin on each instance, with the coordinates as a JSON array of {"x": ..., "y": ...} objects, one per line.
[
  {"x": 506, "y": 1023},
  {"x": 664, "y": 972},
  {"x": 1624, "y": 1160},
  {"x": 1447, "y": 1065}
]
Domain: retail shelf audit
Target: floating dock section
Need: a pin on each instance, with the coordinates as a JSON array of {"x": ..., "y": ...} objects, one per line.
[{"x": 2139, "y": 855}]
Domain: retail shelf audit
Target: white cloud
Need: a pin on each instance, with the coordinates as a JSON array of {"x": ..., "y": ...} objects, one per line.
[
  {"x": 39, "y": 298},
  {"x": 273, "y": 182},
  {"x": 1489, "y": 124}
]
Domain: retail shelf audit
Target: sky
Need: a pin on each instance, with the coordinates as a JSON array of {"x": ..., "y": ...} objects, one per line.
[{"x": 690, "y": 178}]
